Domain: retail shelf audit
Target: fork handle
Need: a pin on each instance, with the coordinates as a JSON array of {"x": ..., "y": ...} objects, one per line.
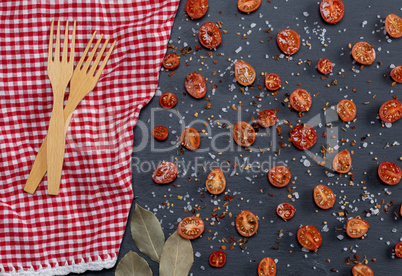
[
  {"x": 39, "y": 166},
  {"x": 55, "y": 144}
]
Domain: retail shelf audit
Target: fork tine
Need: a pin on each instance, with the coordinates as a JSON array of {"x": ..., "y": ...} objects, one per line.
[
  {"x": 85, "y": 52},
  {"x": 50, "y": 55},
  {"x": 99, "y": 72},
  {"x": 89, "y": 60},
  {"x": 98, "y": 58},
  {"x": 72, "y": 45},
  {"x": 65, "y": 44},
  {"x": 57, "y": 50}
]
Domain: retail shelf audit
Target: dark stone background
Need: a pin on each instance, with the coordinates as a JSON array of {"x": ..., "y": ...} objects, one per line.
[{"x": 363, "y": 20}]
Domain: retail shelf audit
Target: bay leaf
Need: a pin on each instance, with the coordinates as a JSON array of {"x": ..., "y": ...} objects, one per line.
[
  {"x": 133, "y": 265},
  {"x": 177, "y": 256},
  {"x": 147, "y": 233}
]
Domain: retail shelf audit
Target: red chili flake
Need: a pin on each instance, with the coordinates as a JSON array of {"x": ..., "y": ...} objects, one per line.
[
  {"x": 171, "y": 74},
  {"x": 187, "y": 64},
  {"x": 215, "y": 61},
  {"x": 271, "y": 194},
  {"x": 279, "y": 130},
  {"x": 164, "y": 203}
]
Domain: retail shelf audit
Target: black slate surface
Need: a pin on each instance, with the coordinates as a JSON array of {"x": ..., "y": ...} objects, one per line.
[{"x": 363, "y": 20}]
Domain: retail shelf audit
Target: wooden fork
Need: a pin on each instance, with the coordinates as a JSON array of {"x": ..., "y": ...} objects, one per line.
[
  {"x": 82, "y": 82},
  {"x": 59, "y": 73}
]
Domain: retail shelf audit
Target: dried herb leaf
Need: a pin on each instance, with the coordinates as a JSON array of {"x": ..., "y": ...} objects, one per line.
[
  {"x": 132, "y": 264},
  {"x": 147, "y": 233},
  {"x": 177, "y": 256}
]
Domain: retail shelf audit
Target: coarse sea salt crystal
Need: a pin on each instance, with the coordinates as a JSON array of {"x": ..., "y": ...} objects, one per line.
[
  {"x": 252, "y": 25},
  {"x": 238, "y": 50},
  {"x": 306, "y": 14}
]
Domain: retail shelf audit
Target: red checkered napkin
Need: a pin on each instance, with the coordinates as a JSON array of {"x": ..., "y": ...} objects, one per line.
[{"x": 82, "y": 228}]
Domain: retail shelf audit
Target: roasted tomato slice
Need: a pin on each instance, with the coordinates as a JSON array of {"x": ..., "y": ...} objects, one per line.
[
  {"x": 342, "y": 162},
  {"x": 389, "y": 173},
  {"x": 160, "y": 133},
  {"x": 303, "y": 136},
  {"x": 391, "y": 111},
  {"x": 300, "y": 100},
  {"x": 243, "y": 134},
  {"x": 209, "y": 35},
  {"x": 363, "y": 53},
  {"x": 267, "y": 267},
  {"x": 356, "y": 228},
  {"x": 279, "y": 176},
  {"x": 168, "y": 100},
  {"x": 285, "y": 210},
  {"x": 288, "y": 41},
  {"x": 332, "y": 11},
  {"x": 216, "y": 182},
  {"x": 165, "y": 173},
  {"x": 267, "y": 118},
  {"x": 171, "y": 61},
  {"x": 190, "y": 138},
  {"x": 195, "y": 85},
  {"x": 217, "y": 259},
  {"x": 346, "y": 110},
  {"x": 244, "y": 73},
  {"x": 362, "y": 270},
  {"x": 324, "y": 66},
  {"x": 272, "y": 82},
  {"x": 393, "y": 25},
  {"x": 248, "y": 6},
  {"x": 309, "y": 237},
  {"x": 396, "y": 74},
  {"x": 324, "y": 197},
  {"x": 246, "y": 223},
  {"x": 398, "y": 250},
  {"x": 196, "y": 8},
  {"x": 191, "y": 227}
]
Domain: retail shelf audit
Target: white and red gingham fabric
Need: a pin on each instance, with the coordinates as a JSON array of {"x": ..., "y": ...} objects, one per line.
[{"x": 82, "y": 228}]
